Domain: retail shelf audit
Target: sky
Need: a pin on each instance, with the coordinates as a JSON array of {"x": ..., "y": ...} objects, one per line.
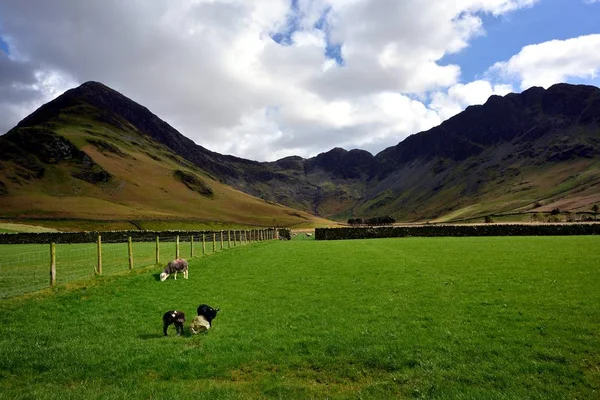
[{"x": 266, "y": 79}]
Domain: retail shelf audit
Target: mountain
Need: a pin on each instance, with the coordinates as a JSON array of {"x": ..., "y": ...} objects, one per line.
[
  {"x": 525, "y": 152},
  {"x": 515, "y": 154},
  {"x": 94, "y": 156}
]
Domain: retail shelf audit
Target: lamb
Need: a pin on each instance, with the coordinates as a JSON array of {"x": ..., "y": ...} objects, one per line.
[
  {"x": 202, "y": 322},
  {"x": 174, "y": 317},
  {"x": 177, "y": 265}
]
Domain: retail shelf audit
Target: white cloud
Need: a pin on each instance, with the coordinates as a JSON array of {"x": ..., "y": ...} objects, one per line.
[
  {"x": 211, "y": 69},
  {"x": 555, "y": 61},
  {"x": 459, "y": 96}
]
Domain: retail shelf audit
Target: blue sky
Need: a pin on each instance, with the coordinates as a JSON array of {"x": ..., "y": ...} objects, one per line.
[
  {"x": 284, "y": 35},
  {"x": 266, "y": 79},
  {"x": 507, "y": 35},
  {"x": 3, "y": 46}
]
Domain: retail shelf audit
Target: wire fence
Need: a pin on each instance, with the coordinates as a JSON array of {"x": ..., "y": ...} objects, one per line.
[{"x": 30, "y": 267}]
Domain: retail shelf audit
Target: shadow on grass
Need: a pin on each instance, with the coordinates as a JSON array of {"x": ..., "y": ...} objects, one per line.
[{"x": 150, "y": 336}]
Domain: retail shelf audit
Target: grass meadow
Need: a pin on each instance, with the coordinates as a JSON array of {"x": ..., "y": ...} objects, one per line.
[{"x": 430, "y": 318}]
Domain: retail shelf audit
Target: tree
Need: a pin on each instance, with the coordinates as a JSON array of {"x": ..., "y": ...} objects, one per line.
[
  {"x": 595, "y": 210},
  {"x": 488, "y": 220}
]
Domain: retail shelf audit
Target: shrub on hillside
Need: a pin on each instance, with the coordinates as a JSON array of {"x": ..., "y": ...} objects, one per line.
[{"x": 193, "y": 183}]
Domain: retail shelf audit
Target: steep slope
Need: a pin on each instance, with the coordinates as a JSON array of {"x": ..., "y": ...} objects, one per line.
[
  {"x": 295, "y": 185},
  {"x": 78, "y": 158},
  {"x": 515, "y": 154},
  {"x": 521, "y": 152}
]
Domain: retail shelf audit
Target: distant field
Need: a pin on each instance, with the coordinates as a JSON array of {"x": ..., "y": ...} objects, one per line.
[
  {"x": 13, "y": 228},
  {"x": 431, "y": 318},
  {"x": 78, "y": 225}
]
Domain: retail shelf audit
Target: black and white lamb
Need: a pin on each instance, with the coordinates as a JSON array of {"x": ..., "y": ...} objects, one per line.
[
  {"x": 175, "y": 266},
  {"x": 174, "y": 317}
]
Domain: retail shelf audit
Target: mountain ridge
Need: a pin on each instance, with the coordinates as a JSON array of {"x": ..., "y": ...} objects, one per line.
[{"x": 467, "y": 163}]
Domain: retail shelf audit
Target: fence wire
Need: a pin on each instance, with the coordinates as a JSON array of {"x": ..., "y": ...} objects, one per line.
[{"x": 26, "y": 267}]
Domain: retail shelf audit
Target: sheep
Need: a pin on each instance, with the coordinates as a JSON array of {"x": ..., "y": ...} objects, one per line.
[
  {"x": 202, "y": 322},
  {"x": 177, "y": 265},
  {"x": 174, "y": 317}
]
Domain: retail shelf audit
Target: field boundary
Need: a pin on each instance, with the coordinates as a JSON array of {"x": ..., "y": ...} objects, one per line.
[
  {"x": 147, "y": 236},
  {"x": 458, "y": 231},
  {"x": 35, "y": 261}
]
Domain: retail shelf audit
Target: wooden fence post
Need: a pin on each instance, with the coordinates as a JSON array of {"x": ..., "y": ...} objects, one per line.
[
  {"x": 221, "y": 240},
  {"x": 130, "y": 248},
  {"x": 52, "y": 264},
  {"x": 214, "y": 242},
  {"x": 99, "y": 270},
  {"x": 229, "y": 239},
  {"x": 192, "y": 246},
  {"x": 234, "y": 238},
  {"x": 177, "y": 247},
  {"x": 203, "y": 244},
  {"x": 157, "y": 251}
]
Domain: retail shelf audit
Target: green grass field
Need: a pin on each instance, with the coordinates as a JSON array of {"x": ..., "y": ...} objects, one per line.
[{"x": 431, "y": 318}]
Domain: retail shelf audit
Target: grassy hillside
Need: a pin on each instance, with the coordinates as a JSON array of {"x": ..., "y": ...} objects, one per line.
[
  {"x": 96, "y": 156},
  {"x": 373, "y": 319},
  {"x": 492, "y": 183},
  {"x": 14, "y": 228},
  {"x": 147, "y": 186}
]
